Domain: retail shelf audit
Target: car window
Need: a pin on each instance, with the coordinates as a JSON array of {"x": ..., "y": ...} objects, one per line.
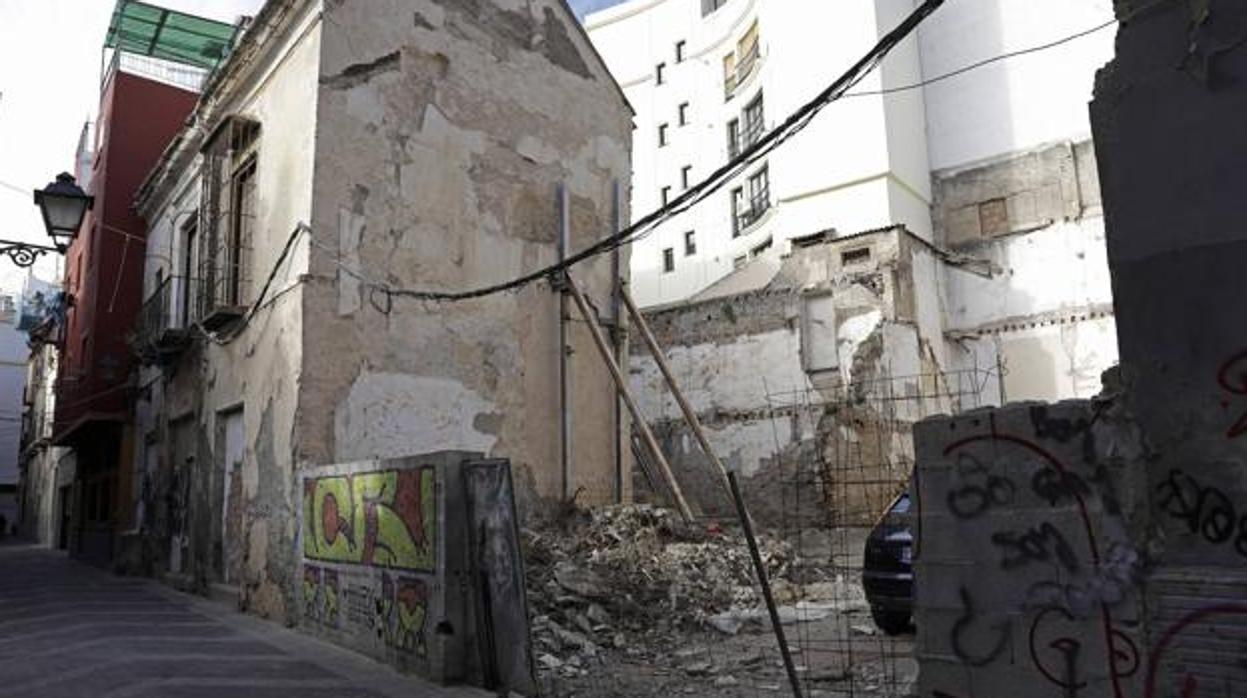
[{"x": 901, "y": 505}]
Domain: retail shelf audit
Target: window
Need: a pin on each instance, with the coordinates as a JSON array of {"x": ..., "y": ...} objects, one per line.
[
  {"x": 190, "y": 266},
  {"x": 660, "y": 73},
  {"x": 690, "y": 244},
  {"x": 683, "y": 115},
  {"x": 708, "y": 6},
  {"x": 242, "y": 221},
  {"x": 755, "y": 121},
  {"x": 668, "y": 260},
  {"x": 738, "y": 210},
  {"x": 686, "y": 174},
  {"x": 662, "y": 135},
  {"x": 759, "y": 249},
  {"x": 760, "y": 191},
  {"x": 665, "y": 195},
  {"x": 739, "y": 64},
  {"x": 733, "y": 138},
  {"x": 679, "y": 51},
  {"x": 747, "y": 52},
  {"x": 227, "y": 223},
  {"x": 861, "y": 254},
  {"x": 746, "y": 213},
  {"x": 729, "y": 75},
  {"x": 739, "y": 262}
]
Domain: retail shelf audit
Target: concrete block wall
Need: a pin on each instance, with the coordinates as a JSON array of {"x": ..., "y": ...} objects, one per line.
[{"x": 1028, "y": 563}]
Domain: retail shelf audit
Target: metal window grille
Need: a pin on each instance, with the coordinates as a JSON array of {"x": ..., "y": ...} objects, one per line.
[{"x": 227, "y": 222}]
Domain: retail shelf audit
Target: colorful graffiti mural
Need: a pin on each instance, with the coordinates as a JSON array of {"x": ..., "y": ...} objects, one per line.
[
  {"x": 320, "y": 595},
  {"x": 401, "y": 610},
  {"x": 380, "y": 519}
]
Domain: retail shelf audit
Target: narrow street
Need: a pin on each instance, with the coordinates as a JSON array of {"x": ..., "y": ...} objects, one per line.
[{"x": 69, "y": 630}]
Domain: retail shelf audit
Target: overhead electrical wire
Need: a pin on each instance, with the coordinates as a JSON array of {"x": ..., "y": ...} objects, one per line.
[
  {"x": 985, "y": 62},
  {"x": 794, "y": 124}
]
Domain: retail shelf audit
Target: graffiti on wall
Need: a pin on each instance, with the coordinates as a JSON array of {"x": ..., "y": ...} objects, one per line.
[
  {"x": 1232, "y": 377},
  {"x": 321, "y": 596},
  {"x": 400, "y": 611},
  {"x": 379, "y": 519},
  {"x": 1066, "y": 569}
]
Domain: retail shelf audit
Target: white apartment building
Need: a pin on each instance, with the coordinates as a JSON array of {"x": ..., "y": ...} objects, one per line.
[
  {"x": 709, "y": 77},
  {"x": 927, "y": 250}
]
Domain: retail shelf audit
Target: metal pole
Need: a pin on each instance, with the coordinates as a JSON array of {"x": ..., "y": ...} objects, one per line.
[
  {"x": 618, "y": 337},
  {"x": 565, "y": 416},
  {"x": 622, "y": 384},
  {"x": 747, "y": 526}
]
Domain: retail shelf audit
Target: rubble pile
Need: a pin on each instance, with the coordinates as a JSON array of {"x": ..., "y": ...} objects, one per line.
[{"x": 596, "y": 579}]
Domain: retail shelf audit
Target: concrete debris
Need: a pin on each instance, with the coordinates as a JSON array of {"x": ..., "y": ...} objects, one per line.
[
  {"x": 579, "y": 581},
  {"x": 622, "y": 576},
  {"x": 699, "y": 668}
]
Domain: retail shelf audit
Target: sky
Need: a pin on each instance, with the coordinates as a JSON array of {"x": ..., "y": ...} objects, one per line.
[
  {"x": 50, "y": 54},
  {"x": 585, "y": 6}
]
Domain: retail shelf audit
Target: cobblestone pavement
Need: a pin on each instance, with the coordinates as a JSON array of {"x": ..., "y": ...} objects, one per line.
[{"x": 68, "y": 630}]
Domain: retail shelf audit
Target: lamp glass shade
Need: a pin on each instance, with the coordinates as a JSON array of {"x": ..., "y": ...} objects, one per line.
[{"x": 64, "y": 205}]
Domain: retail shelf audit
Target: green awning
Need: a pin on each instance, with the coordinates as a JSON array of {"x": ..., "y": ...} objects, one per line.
[{"x": 147, "y": 30}]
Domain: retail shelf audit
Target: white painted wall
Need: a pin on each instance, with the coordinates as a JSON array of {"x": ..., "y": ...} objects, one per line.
[
  {"x": 860, "y": 165},
  {"x": 711, "y": 375},
  {"x": 1061, "y": 267},
  {"x": 1018, "y": 103},
  {"x": 1045, "y": 318}
]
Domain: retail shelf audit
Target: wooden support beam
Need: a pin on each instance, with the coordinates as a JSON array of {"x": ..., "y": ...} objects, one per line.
[{"x": 620, "y": 382}]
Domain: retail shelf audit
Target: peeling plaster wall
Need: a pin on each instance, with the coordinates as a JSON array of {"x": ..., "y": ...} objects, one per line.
[
  {"x": 186, "y": 516},
  {"x": 444, "y": 129},
  {"x": 1045, "y": 318},
  {"x": 779, "y": 405}
]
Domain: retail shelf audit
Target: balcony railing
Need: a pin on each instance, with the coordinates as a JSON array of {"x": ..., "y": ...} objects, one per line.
[
  {"x": 752, "y": 214},
  {"x": 166, "y": 319},
  {"x": 745, "y": 65}
]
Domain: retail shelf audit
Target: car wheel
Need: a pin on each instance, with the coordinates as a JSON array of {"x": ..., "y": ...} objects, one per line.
[{"x": 890, "y": 622}]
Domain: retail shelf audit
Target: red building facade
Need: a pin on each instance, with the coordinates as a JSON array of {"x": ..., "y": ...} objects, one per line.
[{"x": 138, "y": 117}]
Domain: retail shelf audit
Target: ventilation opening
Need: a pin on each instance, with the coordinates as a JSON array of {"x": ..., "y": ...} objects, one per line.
[{"x": 859, "y": 256}]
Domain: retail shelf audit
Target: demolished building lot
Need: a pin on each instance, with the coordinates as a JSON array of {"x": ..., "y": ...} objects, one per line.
[{"x": 629, "y": 600}]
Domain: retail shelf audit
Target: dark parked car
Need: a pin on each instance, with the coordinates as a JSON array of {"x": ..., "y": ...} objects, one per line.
[{"x": 887, "y": 570}]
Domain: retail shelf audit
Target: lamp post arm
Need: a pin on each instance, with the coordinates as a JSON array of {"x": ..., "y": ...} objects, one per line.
[{"x": 25, "y": 254}]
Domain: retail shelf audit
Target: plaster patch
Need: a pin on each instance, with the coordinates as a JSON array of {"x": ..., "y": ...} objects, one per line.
[
  {"x": 350, "y": 230},
  {"x": 536, "y": 150},
  {"x": 257, "y": 549},
  {"x": 390, "y": 415}
]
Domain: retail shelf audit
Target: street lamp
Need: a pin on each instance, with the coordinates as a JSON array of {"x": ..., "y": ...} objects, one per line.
[{"x": 64, "y": 205}]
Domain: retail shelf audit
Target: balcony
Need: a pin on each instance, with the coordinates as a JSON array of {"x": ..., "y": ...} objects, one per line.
[
  {"x": 166, "y": 320},
  {"x": 746, "y": 64},
  {"x": 752, "y": 214},
  {"x": 223, "y": 298}
]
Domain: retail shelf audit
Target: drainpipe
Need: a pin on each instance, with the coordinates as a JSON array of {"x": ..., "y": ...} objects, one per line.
[
  {"x": 565, "y": 416},
  {"x": 617, "y": 334}
]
